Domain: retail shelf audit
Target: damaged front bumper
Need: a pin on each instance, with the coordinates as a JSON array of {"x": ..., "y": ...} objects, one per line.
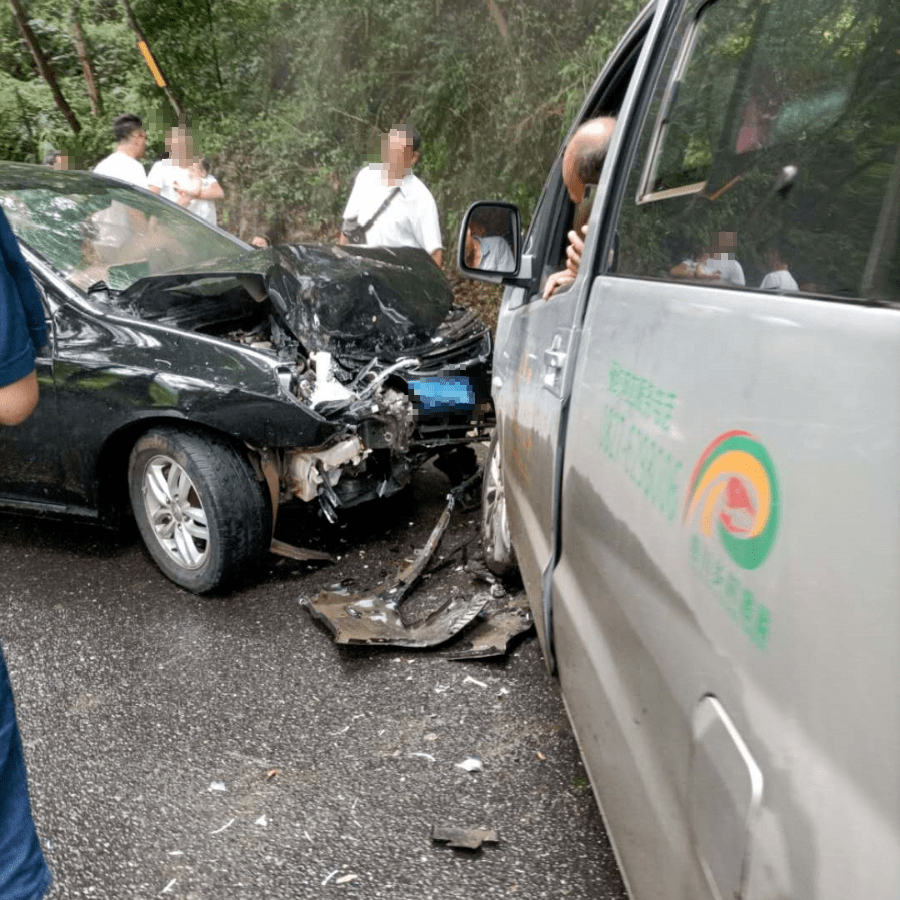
[{"x": 384, "y": 424}]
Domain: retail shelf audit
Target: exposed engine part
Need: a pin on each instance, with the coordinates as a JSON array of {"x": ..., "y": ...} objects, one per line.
[
  {"x": 307, "y": 471},
  {"x": 256, "y": 336},
  {"x": 394, "y": 412},
  {"x": 327, "y": 387},
  {"x": 406, "y": 363}
]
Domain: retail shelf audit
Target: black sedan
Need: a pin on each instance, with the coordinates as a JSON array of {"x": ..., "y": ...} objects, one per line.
[{"x": 201, "y": 383}]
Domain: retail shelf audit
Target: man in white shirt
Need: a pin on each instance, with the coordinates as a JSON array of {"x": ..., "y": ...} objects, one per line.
[
  {"x": 176, "y": 179},
  {"x": 131, "y": 141},
  {"x": 410, "y": 218},
  {"x": 722, "y": 260},
  {"x": 778, "y": 277},
  {"x": 484, "y": 248},
  {"x": 119, "y": 225}
]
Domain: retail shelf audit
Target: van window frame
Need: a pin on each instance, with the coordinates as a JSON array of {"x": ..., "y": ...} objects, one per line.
[
  {"x": 688, "y": 43},
  {"x": 632, "y": 184}
]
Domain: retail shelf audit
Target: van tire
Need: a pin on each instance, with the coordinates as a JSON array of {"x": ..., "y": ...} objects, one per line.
[{"x": 499, "y": 556}]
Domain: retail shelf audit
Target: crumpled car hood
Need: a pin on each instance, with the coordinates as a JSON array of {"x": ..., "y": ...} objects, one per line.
[{"x": 342, "y": 299}]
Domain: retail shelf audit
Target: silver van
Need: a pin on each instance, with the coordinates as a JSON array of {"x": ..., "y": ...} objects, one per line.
[{"x": 696, "y": 465}]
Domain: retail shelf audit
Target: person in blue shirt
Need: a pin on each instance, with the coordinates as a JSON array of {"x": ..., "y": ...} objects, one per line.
[
  {"x": 22, "y": 331},
  {"x": 23, "y": 873}
]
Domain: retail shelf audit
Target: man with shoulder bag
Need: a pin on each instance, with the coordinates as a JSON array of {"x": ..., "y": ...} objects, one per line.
[{"x": 389, "y": 206}]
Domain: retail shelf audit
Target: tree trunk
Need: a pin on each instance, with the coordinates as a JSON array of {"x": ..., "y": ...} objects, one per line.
[
  {"x": 43, "y": 66},
  {"x": 212, "y": 41},
  {"x": 87, "y": 68},
  {"x": 499, "y": 19},
  {"x": 163, "y": 82}
]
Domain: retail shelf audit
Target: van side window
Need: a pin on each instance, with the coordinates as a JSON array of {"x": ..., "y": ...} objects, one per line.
[{"x": 770, "y": 157}]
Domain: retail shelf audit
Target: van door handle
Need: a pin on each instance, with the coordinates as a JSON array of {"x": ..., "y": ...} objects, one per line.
[{"x": 554, "y": 359}]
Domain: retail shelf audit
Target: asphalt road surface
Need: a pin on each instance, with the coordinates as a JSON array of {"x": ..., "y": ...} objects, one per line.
[{"x": 223, "y": 747}]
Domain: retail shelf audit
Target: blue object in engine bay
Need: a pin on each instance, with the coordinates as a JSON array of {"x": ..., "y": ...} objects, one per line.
[{"x": 444, "y": 393}]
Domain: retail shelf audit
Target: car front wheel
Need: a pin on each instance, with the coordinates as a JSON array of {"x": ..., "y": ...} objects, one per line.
[
  {"x": 203, "y": 516},
  {"x": 499, "y": 555}
]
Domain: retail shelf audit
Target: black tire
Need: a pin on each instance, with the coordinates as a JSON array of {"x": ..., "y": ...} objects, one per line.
[
  {"x": 499, "y": 555},
  {"x": 203, "y": 516}
]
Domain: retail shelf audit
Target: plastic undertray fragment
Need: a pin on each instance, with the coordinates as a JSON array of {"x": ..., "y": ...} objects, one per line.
[
  {"x": 475, "y": 625},
  {"x": 374, "y": 618},
  {"x": 492, "y": 632}
]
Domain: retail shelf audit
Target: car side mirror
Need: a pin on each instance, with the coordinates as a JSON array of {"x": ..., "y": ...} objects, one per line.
[{"x": 490, "y": 246}]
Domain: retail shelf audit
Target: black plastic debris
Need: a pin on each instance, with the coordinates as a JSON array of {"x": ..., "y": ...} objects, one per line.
[
  {"x": 463, "y": 838},
  {"x": 474, "y": 627},
  {"x": 374, "y": 617},
  {"x": 493, "y": 631}
]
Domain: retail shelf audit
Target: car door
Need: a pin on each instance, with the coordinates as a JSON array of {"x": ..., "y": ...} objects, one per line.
[
  {"x": 725, "y": 604},
  {"x": 30, "y": 460},
  {"x": 536, "y": 337}
]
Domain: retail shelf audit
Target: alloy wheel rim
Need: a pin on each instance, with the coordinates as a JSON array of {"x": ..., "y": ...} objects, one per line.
[{"x": 175, "y": 512}]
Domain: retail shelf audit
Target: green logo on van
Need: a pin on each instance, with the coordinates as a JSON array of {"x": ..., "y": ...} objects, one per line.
[{"x": 733, "y": 490}]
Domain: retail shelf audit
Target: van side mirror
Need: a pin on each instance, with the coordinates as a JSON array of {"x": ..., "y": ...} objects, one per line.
[{"x": 490, "y": 246}]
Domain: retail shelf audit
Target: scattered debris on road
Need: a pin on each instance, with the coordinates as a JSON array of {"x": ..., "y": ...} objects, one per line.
[
  {"x": 374, "y": 617},
  {"x": 471, "y": 764},
  {"x": 463, "y": 838},
  {"x": 227, "y": 825},
  {"x": 427, "y": 756}
]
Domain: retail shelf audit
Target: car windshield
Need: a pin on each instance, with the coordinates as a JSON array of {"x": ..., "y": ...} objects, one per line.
[{"x": 93, "y": 230}]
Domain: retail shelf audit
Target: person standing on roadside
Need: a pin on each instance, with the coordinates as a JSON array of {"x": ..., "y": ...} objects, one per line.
[
  {"x": 131, "y": 142},
  {"x": 176, "y": 179},
  {"x": 778, "y": 277},
  {"x": 208, "y": 186},
  {"x": 23, "y": 873},
  {"x": 390, "y": 203}
]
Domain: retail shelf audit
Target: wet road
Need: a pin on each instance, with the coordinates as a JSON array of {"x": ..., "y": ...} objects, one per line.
[{"x": 191, "y": 747}]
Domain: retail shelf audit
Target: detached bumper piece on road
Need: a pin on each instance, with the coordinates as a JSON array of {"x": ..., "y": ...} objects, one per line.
[
  {"x": 463, "y": 838},
  {"x": 374, "y": 617}
]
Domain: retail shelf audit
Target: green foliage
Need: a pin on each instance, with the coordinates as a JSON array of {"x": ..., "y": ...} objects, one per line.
[{"x": 289, "y": 97}]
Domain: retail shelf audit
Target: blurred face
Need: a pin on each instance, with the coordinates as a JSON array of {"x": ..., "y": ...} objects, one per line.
[
  {"x": 397, "y": 152},
  {"x": 138, "y": 143},
  {"x": 724, "y": 241},
  {"x": 181, "y": 145}
]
